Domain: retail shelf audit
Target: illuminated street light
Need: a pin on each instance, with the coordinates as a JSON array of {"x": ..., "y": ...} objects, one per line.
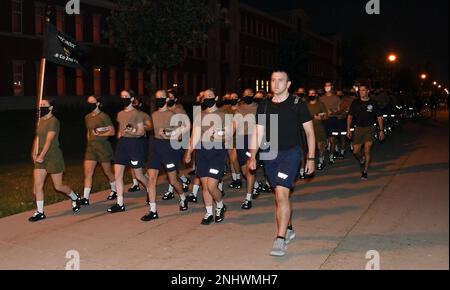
[
  {"x": 423, "y": 76},
  {"x": 435, "y": 83},
  {"x": 392, "y": 57}
]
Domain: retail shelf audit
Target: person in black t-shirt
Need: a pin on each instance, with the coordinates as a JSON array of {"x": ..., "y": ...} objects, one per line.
[
  {"x": 282, "y": 168},
  {"x": 364, "y": 113}
]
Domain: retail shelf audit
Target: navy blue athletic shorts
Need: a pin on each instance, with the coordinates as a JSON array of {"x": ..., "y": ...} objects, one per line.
[
  {"x": 283, "y": 170},
  {"x": 130, "y": 152},
  {"x": 163, "y": 156},
  {"x": 210, "y": 162}
]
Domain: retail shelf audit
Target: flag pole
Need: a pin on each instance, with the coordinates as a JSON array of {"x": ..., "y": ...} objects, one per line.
[{"x": 40, "y": 93}]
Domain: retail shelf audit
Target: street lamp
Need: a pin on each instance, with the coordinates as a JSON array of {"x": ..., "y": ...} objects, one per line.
[
  {"x": 392, "y": 57},
  {"x": 423, "y": 76},
  {"x": 435, "y": 83},
  {"x": 439, "y": 86}
]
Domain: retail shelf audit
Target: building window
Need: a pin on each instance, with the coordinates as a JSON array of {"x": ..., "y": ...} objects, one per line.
[
  {"x": 60, "y": 14},
  {"x": 97, "y": 81},
  {"x": 112, "y": 81},
  {"x": 127, "y": 79},
  {"x": 79, "y": 27},
  {"x": 79, "y": 82},
  {"x": 18, "y": 78},
  {"x": 140, "y": 82},
  {"x": 17, "y": 16},
  {"x": 96, "y": 28},
  {"x": 39, "y": 18},
  {"x": 60, "y": 86}
]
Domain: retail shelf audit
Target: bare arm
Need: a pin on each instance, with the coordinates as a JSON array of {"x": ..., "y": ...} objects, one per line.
[{"x": 311, "y": 139}]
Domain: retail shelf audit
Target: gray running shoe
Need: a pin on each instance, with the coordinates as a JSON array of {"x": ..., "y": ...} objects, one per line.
[
  {"x": 279, "y": 248},
  {"x": 290, "y": 236}
]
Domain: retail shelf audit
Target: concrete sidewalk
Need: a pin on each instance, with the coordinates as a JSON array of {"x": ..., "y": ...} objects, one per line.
[{"x": 401, "y": 212}]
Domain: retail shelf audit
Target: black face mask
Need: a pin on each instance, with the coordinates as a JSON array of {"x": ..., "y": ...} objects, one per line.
[
  {"x": 312, "y": 98},
  {"x": 44, "y": 111},
  {"x": 208, "y": 103},
  {"x": 248, "y": 99},
  {"x": 160, "y": 103},
  {"x": 233, "y": 102},
  {"x": 125, "y": 102},
  {"x": 91, "y": 107},
  {"x": 171, "y": 103}
]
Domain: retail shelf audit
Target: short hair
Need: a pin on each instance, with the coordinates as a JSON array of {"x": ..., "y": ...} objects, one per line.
[{"x": 283, "y": 71}]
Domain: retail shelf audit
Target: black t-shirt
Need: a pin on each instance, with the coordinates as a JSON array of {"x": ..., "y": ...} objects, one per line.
[
  {"x": 364, "y": 114},
  {"x": 291, "y": 117}
]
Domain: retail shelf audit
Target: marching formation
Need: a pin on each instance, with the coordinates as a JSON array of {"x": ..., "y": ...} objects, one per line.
[{"x": 267, "y": 140}]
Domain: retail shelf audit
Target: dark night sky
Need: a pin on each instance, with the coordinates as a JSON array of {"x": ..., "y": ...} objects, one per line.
[{"x": 417, "y": 29}]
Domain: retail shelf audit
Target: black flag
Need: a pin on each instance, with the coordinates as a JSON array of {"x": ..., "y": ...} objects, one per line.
[{"x": 62, "y": 49}]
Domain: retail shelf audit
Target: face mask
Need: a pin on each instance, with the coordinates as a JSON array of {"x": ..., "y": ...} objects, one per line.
[
  {"x": 160, "y": 103},
  {"x": 233, "y": 102},
  {"x": 327, "y": 89},
  {"x": 312, "y": 98},
  {"x": 171, "y": 103},
  {"x": 209, "y": 103},
  {"x": 248, "y": 100},
  {"x": 125, "y": 102},
  {"x": 45, "y": 111},
  {"x": 92, "y": 107}
]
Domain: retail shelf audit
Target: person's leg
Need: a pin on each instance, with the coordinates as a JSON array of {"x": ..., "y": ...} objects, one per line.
[
  {"x": 138, "y": 172},
  {"x": 357, "y": 152},
  {"x": 283, "y": 210},
  {"x": 175, "y": 182},
  {"x": 135, "y": 180},
  {"x": 39, "y": 176},
  {"x": 61, "y": 187},
  {"x": 195, "y": 188},
  {"x": 235, "y": 169},
  {"x": 107, "y": 170},
  {"x": 368, "y": 155},
  {"x": 151, "y": 187},
  {"x": 208, "y": 201},
  {"x": 250, "y": 178},
  {"x": 118, "y": 176},
  {"x": 89, "y": 169}
]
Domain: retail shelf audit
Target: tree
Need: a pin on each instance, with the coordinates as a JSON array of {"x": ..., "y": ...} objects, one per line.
[{"x": 154, "y": 34}]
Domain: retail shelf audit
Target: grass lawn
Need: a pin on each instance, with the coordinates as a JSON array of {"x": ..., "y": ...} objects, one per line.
[{"x": 16, "y": 190}]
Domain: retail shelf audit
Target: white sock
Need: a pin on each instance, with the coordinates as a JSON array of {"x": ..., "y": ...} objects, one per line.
[
  {"x": 219, "y": 204},
  {"x": 256, "y": 184},
  {"x": 113, "y": 186},
  {"x": 153, "y": 207},
  {"x": 135, "y": 182},
  {"x": 40, "y": 206},
  {"x": 183, "y": 197},
  {"x": 234, "y": 176},
  {"x": 238, "y": 176},
  {"x": 193, "y": 166},
  {"x": 195, "y": 189},
  {"x": 73, "y": 196},
  {"x": 120, "y": 200},
  {"x": 170, "y": 188},
  {"x": 302, "y": 171},
  {"x": 86, "y": 192},
  {"x": 220, "y": 186},
  {"x": 249, "y": 197},
  {"x": 209, "y": 210},
  {"x": 183, "y": 178}
]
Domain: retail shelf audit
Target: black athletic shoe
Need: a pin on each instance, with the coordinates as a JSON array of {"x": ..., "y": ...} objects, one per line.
[
  {"x": 207, "y": 220},
  {"x": 247, "y": 204},
  {"x": 320, "y": 166},
  {"x": 192, "y": 198},
  {"x": 76, "y": 204},
  {"x": 84, "y": 201},
  {"x": 256, "y": 192},
  {"x": 236, "y": 184},
  {"x": 301, "y": 175},
  {"x": 134, "y": 188},
  {"x": 184, "y": 205},
  {"x": 168, "y": 195},
  {"x": 220, "y": 214},
  {"x": 266, "y": 188},
  {"x": 364, "y": 176},
  {"x": 37, "y": 216},
  {"x": 112, "y": 196},
  {"x": 150, "y": 216},
  {"x": 116, "y": 208}
]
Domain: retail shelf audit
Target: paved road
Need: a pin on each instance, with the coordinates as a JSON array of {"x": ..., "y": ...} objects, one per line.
[{"x": 401, "y": 212}]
